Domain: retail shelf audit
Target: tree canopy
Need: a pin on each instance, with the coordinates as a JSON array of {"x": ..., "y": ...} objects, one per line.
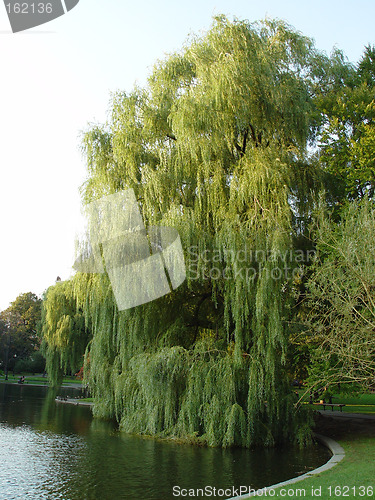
[
  {"x": 19, "y": 325},
  {"x": 218, "y": 146},
  {"x": 348, "y": 138}
]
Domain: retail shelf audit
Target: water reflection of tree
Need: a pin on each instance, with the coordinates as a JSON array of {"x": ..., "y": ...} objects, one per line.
[{"x": 61, "y": 418}]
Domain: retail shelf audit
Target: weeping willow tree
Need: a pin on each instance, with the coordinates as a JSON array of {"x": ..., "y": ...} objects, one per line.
[
  {"x": 215, "y": 145},
  {"x": 64, "y": 333}
]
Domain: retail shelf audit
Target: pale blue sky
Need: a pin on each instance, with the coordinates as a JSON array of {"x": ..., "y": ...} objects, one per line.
[{"x": 56, "y": 78}]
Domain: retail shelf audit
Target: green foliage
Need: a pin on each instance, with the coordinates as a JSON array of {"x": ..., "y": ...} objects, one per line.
[
  {"x": 64, "y": 333},
  {"x": 34, "y": 364},
  {"x": 19, "y": 330},
  {"x": 216, "y": 146},
  {"x": 348, "y": 138},
  {"x": 26, "y": 312},
  {"x": 341, "y": 295}
]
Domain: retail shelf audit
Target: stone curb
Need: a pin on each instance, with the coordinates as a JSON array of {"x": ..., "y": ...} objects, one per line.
[
  {"x": 344, "y": 414},
  {"x": 338, "y": 453},
  {"x": 75, "y": 402}
]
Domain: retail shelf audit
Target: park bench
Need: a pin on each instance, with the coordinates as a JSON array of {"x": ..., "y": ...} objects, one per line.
[{"x": 337, "y": 405}]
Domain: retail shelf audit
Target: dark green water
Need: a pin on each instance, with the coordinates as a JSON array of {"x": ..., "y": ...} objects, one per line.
[{"x": 58, "y": 451}]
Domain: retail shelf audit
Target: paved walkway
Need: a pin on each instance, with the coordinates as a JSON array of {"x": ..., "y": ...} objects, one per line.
[
  {"x": 344, "y": 414},
  {"x": 41, "y": 384}
]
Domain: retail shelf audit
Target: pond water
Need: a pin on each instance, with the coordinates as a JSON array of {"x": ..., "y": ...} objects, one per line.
[{"x": 54, "y": 451}]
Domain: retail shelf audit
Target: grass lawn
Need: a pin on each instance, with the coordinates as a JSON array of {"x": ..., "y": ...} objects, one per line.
[
  {"x": 361, "y": 403},
  {"x": 354, "y": 476}
]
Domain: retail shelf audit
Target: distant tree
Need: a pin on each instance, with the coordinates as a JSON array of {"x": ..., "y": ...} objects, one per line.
[
  {"x": 4, "y": 346},
  {"x": 348, "y": 137},
  {"x": 19, "y": 329},
  {"x": 35, "y": 363}
]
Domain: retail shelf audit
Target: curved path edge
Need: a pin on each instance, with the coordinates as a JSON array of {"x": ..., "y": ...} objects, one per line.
[
  {"x": 338, "y": 453},
  {"x": 75, "y": 402}
]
